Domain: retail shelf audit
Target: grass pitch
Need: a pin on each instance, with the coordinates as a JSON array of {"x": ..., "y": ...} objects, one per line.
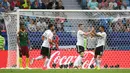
[{"x": 65, "y": 71}]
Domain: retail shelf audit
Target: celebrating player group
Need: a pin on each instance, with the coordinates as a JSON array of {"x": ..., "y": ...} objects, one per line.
[
  {"x": 98, "y": 48},
  {"x": 96, "y": 43}
]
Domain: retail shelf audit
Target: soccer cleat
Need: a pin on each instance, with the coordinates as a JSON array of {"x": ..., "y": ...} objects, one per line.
[
  {"x": 22, "y": 68},
  {"x": 28, "y": 68},
  {"x": 32, "y": 61},
  {"x": 76, "y": 67},
  {"x": 44, "y": 68},
  {"x": 96, "y": 67}
]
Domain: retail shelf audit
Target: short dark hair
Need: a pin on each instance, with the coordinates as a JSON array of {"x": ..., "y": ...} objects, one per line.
[
  {"x": 50, "y": 25},
  {"x": 102, "y": 27},
  {"x": 80, "y": 25}
]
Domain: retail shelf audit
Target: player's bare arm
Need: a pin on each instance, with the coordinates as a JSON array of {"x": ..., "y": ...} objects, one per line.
[
  {"x": 43, "y": 38},
  {"x": 50, "y": 41},
  {"x": 98, "y": 35},
  {"x": 18, "y": 37},
  {"x": 88, "y": 33}
]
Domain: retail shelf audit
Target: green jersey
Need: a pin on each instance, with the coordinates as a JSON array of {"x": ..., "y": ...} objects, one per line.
[{"x": 23, "y": 37}]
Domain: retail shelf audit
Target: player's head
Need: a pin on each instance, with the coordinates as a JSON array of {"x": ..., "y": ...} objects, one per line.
[
  {"x": 22, "y": 27},
  {"x": 54, "y": 32},
  {"x": 51, "y": 27},
  {"x": 80, "y": 26},
  {"x": 101, "y": 28}
]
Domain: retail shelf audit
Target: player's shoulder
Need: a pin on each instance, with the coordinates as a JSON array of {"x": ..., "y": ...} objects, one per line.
[
  {"x": 48, "y": 31},
  {"x": 80, "y": 31},
  {"x": 104, "y": 33},
  {"x": 101, "y": 32}
]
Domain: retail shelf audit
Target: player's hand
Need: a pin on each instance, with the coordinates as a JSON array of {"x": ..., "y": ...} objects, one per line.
[
  {"x": 30, "y": 48},
  {"x": 93, "y": 29},
  {"x": 28, "y": 42},
  {"x": 93, "y": 33},
  {"x": 19, "y": 48}
]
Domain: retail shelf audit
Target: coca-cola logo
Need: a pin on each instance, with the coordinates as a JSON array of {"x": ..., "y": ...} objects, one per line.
[{"x": 65, "y": 57}]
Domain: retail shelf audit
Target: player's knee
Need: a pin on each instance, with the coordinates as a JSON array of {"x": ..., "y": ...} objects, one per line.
[
  {"x": 98, "y": 57},
  {"x": 27, "y": 55},
  {"x": 95, "y": 56},
  {"x": 82, "y": 54},
  {"x": 48, "y": 57}
]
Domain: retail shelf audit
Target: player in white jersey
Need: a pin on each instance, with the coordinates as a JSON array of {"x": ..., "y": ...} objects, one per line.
[
  {"x": 45, "y": 50},
  {"x": 101, "y": 40},
  {"x": 80, "y": 45}
]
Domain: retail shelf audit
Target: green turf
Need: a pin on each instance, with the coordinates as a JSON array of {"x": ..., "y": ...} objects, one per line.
[{"x": 65, "y": 71}]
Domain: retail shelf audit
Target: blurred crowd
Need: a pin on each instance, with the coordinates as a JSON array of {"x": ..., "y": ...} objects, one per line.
[
  {"x": 13, "y": 5},
  {"x": 106, "y": 4},
  {"x": 112, "y": 25},
  {"x": 34, "y": 24},
  {"x": 122, "y": 25}
]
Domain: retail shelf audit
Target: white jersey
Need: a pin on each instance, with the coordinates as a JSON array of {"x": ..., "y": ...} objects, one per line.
[
  {"x": 80, "y": 38},
  {"x": 47, "y": 35},
  {"x": 101, "y": 40}
]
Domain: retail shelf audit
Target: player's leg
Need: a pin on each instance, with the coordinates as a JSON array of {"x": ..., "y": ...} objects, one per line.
[
  {"x": 39, "y": 57},
  {"x": 48, "y": 54},
  {"x": 22, "y": 54},
  {"x": 78, "y": 61},
  {"x": 100, "y": 56},
  {"x": 98, "y": 60},
  {"x": 27, "y": 56},
  {"x": 99, "y": 52},
  {"x": 20, "y": 59},
  {"x": 95, "y": 57}
]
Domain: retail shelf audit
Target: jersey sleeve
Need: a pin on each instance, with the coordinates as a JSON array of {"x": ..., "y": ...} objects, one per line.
[
  {"x": 44, "y": 34},
  {"x": 102, "y": 34},
  {"x": 81, "y": 32}
]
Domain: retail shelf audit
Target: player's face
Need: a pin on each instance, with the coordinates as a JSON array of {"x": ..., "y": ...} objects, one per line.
[
  {"x": 23, "y": 28},
  {"x": 101, "y": 29},
  {"x": 52, "y": 28},
  {"x": 82, "y": 27}
]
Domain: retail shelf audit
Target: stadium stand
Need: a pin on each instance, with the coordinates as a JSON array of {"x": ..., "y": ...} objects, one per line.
[{"x": 13, "y": 5}]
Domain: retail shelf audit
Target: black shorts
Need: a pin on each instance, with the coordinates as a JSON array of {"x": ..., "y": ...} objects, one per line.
[
  {"x": 90, "y": 49},
  {"x": 99, "y": 50},
  {"x": 80, "y": 49},
  {"x": 46, "y": 52}
]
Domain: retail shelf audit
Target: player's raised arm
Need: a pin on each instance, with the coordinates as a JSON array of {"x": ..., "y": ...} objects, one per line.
[
  {"x": 90, "y": 32},
  {"x": 81, "y": 32},
  {"x": 99, "y": 34}
]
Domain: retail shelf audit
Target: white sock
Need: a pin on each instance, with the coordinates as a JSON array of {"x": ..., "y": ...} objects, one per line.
[
  {"x": 98, "y": 63},
  {"x": 78, "y": 61},
  {"x": 46, "y": 62},
  {"x": 39, "y": 57}
]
